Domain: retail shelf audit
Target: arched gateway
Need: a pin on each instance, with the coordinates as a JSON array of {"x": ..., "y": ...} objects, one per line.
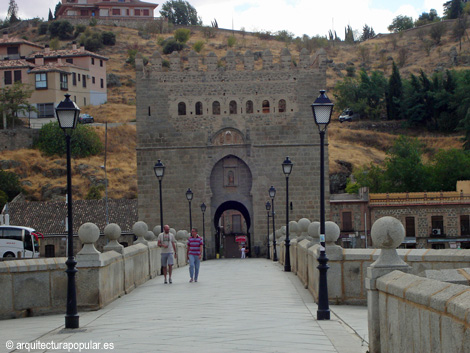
[{"x": 224, "y": 131}]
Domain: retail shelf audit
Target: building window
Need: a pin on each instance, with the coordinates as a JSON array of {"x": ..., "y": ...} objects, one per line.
[
  {"x": 12, "y": 51},
  {"x": 102, "y": 83},
  {"x": 128, "y": 12},
  {"x": 198, "y": 108},
  {"x": 83, "y": 12},
  {"x": 233, "y": 107},
  {"x": 64, "y": 82},
  {"x": 7, "y": 76},
  {"x": 41, "y": 81},
  {"x": 116, "y": 12},
  {"x": 282, "y": 106},
  {"x": 45, "y": 110},
  {"x": 93, "y": 79},
  {"x": 84, "y": 100},
  {"x": 464, "y": 225},
  {"x": 181, "y": 108},
  {"x": 49, "y": 250},
  {"x": 137, "y": 12},
  {"x": 216, "y": 108},
  {"x": 74, "y": 78},
  {"x": 265, "y": 106},
  {"x": 410, "y": 227},
  {"x": 437, "y": 225},
  {"x": 84, "y": 81},
  {"x": 78, "y": 77},
  {"x": 93, "y": 61},
  {"x": 17, "y": 76},
  {"x": 146, "y": 12},
  {"x": 101, "y": 63},
  {"x": 347, "y": 222},
  {"x": 249, "y": 107},
  {"x": 70, "y": 60}
]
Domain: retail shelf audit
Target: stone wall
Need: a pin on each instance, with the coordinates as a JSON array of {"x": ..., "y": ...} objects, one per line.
[
  {"x": 39, "y": 286},
  {"x": 192, "y": 144},
  {"x": 15, "y": 139}
]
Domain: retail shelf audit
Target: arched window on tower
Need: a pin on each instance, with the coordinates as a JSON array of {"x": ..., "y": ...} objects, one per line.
[
  {"x": 198, "y": 108},
  {"x": 282, "y": 106},
  {"x": 249, "y": 107},
  {"x": 181, "y": 108},
  {"x": 233, "y": 107},
  {"x": 265, "y": 106},
  {"x": 216, "y": 108}
]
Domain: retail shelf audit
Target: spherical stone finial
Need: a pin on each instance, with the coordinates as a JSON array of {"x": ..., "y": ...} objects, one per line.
[
  {"x": 293, "y": 228},
  {"x": 149, "y": 236},
  {"x": 314, "y": 230},
  {"x": 303, "y": 225},
  {"x": 173, "y": 231},
  {"x": 112, "y": 231},
  {"x": 88, "y": 233},
  {"x": 157, "y": 230},
  {"x": 332, "y": 232},
  {"x": 387, "y": 233},
  {"x": 140, "y": 229},
  {"x": 181, "y": 235}
]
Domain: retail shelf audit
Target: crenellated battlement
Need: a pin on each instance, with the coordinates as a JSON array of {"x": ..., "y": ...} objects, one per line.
[{"x": 232, "y": 62}]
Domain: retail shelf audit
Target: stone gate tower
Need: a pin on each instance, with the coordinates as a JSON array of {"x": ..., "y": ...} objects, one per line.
[{"x": 224, "y": 131}]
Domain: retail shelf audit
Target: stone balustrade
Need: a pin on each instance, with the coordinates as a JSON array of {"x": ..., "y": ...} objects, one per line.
[{"x": 39, "y": 286}]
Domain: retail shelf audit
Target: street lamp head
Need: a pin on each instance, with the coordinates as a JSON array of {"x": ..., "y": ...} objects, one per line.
[
  {"x": 322, "y": 109},
  {"x": 268, "y": 206},
  {"x": 67, "y": 113},
  {"x": 189, "y": 194},
  {"x": 272, "y": 192},
  {"x": 287, "y": 167},
  {"x": 159, "y": 170},
  {"x": 203, "y": 207}
]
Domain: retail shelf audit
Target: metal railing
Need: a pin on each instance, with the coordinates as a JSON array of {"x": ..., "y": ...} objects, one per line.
[{"x": 426, "y": 198}]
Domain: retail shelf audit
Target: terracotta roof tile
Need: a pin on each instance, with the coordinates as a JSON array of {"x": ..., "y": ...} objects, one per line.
[
  {"x": 66, "y": 53},
  {"x": 49, "y": 217},
  {"x": 16, "y": 40},
  {"x": 17, "y": 63},
  {"x": 52, "y": 67}
]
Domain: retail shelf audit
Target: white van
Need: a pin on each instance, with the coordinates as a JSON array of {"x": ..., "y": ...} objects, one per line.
[{"x": 18, "y": 242}]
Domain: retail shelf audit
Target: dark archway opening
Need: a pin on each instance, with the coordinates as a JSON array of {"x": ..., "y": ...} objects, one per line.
[{"x": 227, "y": 234}]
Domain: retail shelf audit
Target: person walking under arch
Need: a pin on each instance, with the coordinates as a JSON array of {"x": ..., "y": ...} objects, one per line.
[
  {"x": 167, "y": 242},
  {"x": 194, "y": 254}
]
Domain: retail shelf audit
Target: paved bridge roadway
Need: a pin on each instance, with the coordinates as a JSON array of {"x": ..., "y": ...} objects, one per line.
[{"x": 237, "y": 305}]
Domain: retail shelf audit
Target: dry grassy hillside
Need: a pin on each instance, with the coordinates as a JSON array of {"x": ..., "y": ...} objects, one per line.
[{"x": 358, "y": 143}]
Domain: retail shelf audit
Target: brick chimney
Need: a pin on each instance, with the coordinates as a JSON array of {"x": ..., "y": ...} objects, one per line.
[
  {"x": 5, "y": 35},
  {"x": 47, "y": 50},
  {"x": 74, "y": 45},
  {"x": 39, "y": 60}
]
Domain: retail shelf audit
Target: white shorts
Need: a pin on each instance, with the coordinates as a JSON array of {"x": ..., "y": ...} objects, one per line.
[{"x": 167, "y": 259}]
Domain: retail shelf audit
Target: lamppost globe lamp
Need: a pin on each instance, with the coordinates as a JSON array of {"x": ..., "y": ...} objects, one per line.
[
  {"x": 189, "y": 195},
  {"x": 159, "y": 169},
  {"x": 272, "y": 195},
  {"x": 287, "y": 169},
  {"x": 67, "y": 113},
  {"x": 268, "y": 208},
  {"x": 322, "y": 109}
]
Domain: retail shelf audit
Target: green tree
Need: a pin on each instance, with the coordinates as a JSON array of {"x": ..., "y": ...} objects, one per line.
[
  {"x": 10, "y": 184},
  {"x": 371, "y": 176},
  {"x": 453, "y": 9},
  {"x": 85, "y": 141},
  {"x": 57, "y": 7},
  {"x": 464, "y": 125},
  {"x": 3, "y": 198},
  {"x": 349, "y": 35},
  {"x": 394, "y": 94},
  {"x": 62, "y": 29},
  {"x": 400, "y": 23},
  {"x": 50, "y": 18},
  {"x": 12, "y": 14},
  {"x": 367, "y": 33},
  {"x": 427, "y": 17},
  {"x": 182, "y": 35},
  {"x": 449, "y": 166},
  {"x": 180, "y": 12},
  {"x": 94, "y": 193},
  {"x": 437, "y": 31},
  {"x": 14, "y": 100},
  {"x": 109, "y": 38}
]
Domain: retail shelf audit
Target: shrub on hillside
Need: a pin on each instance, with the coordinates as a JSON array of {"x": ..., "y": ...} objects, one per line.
[
  {"x": 62, "y": 29},
  {"x": 85, "y": 142},
  {"x": 109, "y": 38},
  {"x": 113, "y": 80},
  {"x": 79, "y": 29},
  {"x": 182, "y": 35},
  {"x": 43, "y": 28},
  {"x": 10, "y": 184},
  {"x": 170, "y": 45},
  {"x": 198, "y": 46}
]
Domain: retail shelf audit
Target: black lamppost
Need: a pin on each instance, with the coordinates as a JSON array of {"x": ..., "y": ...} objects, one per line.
[
  {"x": 67, "y": 113},
  {"x": 189, "y": 197},
  {"x": 272, "y": 194},
  {"x": 203, "y": 210},
  {"x": 322, "y": 109},
  {"x": 287, "y": 169},
  {"x": 159, "y": 170},
  {"x": 268, "y": 208}
]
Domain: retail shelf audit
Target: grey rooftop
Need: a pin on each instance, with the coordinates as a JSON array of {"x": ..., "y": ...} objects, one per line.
[{"x": 238, "y": 305}]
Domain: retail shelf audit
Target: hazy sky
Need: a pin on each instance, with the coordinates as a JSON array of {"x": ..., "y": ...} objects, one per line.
[{"x": 311, "y": 17}]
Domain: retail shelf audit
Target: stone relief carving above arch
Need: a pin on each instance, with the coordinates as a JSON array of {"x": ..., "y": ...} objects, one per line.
[{"x": 228, "y": 136}]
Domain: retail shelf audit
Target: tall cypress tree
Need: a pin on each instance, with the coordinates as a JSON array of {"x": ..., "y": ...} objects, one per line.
[{"x": 394, "y": 95}]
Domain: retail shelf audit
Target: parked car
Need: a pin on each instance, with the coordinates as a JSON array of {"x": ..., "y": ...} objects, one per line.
[
  {"x": 86, "y": 119},
  {"x": 348, "y": 115}
]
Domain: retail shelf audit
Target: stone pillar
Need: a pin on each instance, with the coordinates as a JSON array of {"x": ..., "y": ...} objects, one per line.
[
  {"x": 387, "y": 234},
  {"x": 249, "y": 60},
  {"x": 175, "y": 61},
  {"x": 286, "y": 59},
  {"x": 140, "y": 230},
  {"x": 112, "y": 231},
  {"x": 211, "y": 61},
  {"x": 193, "y": 61},
  {"x": 230, "y": 60},
  {"x": 156, "y": 61}
]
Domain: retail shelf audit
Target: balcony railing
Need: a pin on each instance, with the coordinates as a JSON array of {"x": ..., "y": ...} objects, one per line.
[{"x": 426, "y": 198}]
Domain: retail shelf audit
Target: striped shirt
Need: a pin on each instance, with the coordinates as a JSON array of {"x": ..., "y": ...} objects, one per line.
[{"x": 194, "y": 245}]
